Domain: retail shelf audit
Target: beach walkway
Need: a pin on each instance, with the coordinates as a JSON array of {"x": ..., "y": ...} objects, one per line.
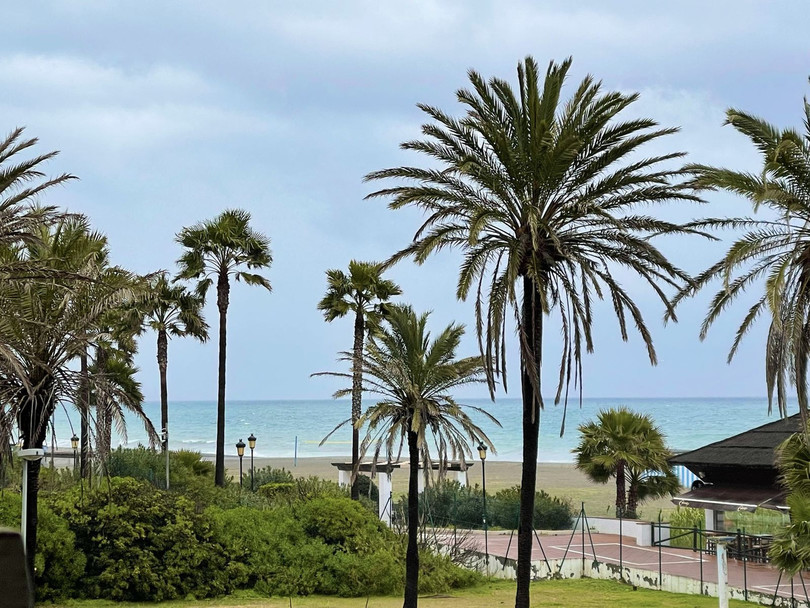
[{"x": 580, "y": 552}]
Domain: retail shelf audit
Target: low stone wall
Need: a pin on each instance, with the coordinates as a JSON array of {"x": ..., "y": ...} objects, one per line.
[{"x": 506, "y": 568}]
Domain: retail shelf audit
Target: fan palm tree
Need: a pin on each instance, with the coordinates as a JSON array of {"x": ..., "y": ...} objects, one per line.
[
  {"x": 774, "y": 250},
  {"x": 172, "y": 311},
  {"x": 22, "y": 183},
  {"x": 540, "y": 195},
  {"x": 218, "y": 249},
  {"x": 627, "y": 446},
  {"x": 414, "y": 376},
  {"x": 362, "y": 291},
  {"x": 46, "y": 325}
]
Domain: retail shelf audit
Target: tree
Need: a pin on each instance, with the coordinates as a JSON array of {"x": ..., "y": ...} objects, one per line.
[
  {"x": 362, "y": 291},
  {"x": 172, "y": 311},
  {"x": 773, "y": 251},
  {"x": 414, "y": 376},
  {"x": 218, "y": 249},
  {"x": 45, "y": 326},
  {"x": 540, "y": 196},
  {"x": 628, "y": 447}
]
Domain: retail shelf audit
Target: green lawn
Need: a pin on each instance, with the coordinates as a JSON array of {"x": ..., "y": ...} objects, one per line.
[{"x": 583, "y": 593}]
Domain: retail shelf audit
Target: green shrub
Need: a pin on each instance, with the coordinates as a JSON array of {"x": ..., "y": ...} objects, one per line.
[
  {"x": 59, "y": 564},
  {"x": 268, "y": 474},
  {"x": 143, "y": 544},
  {"x": 681, "y": 521},
  {"x": 449, "y": 503}
]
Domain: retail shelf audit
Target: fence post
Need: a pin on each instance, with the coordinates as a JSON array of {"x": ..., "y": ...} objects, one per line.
[
  {"x": 745, "y": 566},
  {"x": 582, "y": 525},
  {"x": 621, "y": 546},
  {"x": 660, "y": 569},
  {"x": 700, "y": 554}
]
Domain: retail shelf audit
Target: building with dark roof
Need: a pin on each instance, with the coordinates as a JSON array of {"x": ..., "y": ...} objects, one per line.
[{"x": 738, "y": 473}]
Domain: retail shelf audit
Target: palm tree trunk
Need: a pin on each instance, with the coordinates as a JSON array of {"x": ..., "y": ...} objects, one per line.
[
  {"x": 632, "y": 499},
  {"x": 412, "y": 555},
  {"x": 84, "y": 410},
  {"x": 357, "y": 395},
  {"x": 36, "y": 409},
  {"x": 103, "y": 413},
  {"x": 163, "y": 361},
  {"x": 531, "y": 358},
  {"x": 223, "y": 292},
  {"x": 621, "y": 493}
]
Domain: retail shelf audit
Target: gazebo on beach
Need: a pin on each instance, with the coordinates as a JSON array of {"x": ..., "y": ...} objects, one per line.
[{"x": 738, "y": 473}]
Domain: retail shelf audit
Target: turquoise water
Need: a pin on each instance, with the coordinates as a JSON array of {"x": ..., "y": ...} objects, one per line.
[{"x": 687, "y": 423}]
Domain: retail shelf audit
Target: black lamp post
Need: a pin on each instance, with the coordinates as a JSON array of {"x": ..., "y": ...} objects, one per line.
[
  {"x": 252, "y": 444},
  {"x": 482, "y": 454},
  {"x": 240, "y": 450},
  {"x": 74, "y": 443}
]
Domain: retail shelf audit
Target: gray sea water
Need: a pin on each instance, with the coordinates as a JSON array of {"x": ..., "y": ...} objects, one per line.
[{"x": 287, "y": 428}]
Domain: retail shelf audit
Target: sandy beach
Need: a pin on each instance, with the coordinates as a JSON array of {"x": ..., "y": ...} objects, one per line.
[{"x": 558, "y": 479}]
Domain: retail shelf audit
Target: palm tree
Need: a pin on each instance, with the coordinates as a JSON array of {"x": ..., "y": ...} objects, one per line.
[
  {"x": 172, "y": 311},
  {"x": 218, "y": 249},
  {"x": 45, "y": 326},
  {"x": 540, "y": 196},
  {"x": 773, "y": 251},
  {"x": 362, "y": 291},
  {"x": 414, "y": 376},
  {"x": 627, "y": 446}
]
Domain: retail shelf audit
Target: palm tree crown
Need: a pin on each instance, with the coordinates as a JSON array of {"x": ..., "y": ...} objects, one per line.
[
  {"x": 774, "y": 250},
  {"x": 540, "y": 195}
]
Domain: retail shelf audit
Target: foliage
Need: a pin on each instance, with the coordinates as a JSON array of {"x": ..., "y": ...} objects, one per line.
[
  {"x": 448, "y": 503},
  {"x": 790, "y": 550},
  {"x": 59, "y": 564},
  {"x": 772, "y": 252},
  {"x": 681, "y": 521},
  {"x": 143, "y": 544},
  {"x": 269, "y": 474}
]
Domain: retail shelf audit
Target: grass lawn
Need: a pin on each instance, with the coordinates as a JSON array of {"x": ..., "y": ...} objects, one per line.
[{"x": 582, "y": 593}]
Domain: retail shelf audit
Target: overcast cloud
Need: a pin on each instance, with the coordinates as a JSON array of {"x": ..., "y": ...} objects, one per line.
[{"x": 171, "y": 112}]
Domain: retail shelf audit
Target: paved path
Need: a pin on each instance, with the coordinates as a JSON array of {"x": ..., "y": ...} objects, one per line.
[{"x": 607, "y": 548}]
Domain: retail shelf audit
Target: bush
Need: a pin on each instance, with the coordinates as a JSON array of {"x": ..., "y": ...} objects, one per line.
[
  {"x": 449, "y": 503},
  {"x": 143, "y": 544},
  {"x": 681, "y": 521},
  {"x": 268, "y": 474},
  {"x": 59, "y": 564}
]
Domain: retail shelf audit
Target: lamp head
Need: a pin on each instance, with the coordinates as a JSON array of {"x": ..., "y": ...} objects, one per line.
[
  {"x": 240, "y": 448},
  {"x": 482, "y": 451},
  {"x": 74, "y": 442},
  {"x": 252, "y": 441}
]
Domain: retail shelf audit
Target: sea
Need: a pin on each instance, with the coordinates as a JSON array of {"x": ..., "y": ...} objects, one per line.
[{"x": 296, "y": 428}]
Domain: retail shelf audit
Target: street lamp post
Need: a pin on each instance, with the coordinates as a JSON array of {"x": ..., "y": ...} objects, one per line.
[
  {"x": 482, "y": 454},
  {"x": 74, "y": 443},
  {"x": 164, "y": 437},
  {"x": 240, "y": 451},
  {"x": 252, "y": 444}
]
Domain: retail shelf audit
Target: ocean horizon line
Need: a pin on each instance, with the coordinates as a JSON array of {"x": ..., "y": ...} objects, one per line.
[{"x": 549, "y": 400}]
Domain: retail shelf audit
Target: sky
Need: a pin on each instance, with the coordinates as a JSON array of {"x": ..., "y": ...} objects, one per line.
[{"x": 171, "y": 112}]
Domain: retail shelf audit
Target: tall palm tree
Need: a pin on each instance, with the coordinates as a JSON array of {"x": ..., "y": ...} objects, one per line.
[
  {"x": 45, "y": 326},
  {"x": 774, "y": 251},
  {"x": 540, "y": 195},
  {"x": 218, "y": 249},
  {"x": 361, "y": 291},
  {"x": 414, "y": 376},
  {"x": 627, "y": 446},
  {"x": 172, "y": 311}
]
